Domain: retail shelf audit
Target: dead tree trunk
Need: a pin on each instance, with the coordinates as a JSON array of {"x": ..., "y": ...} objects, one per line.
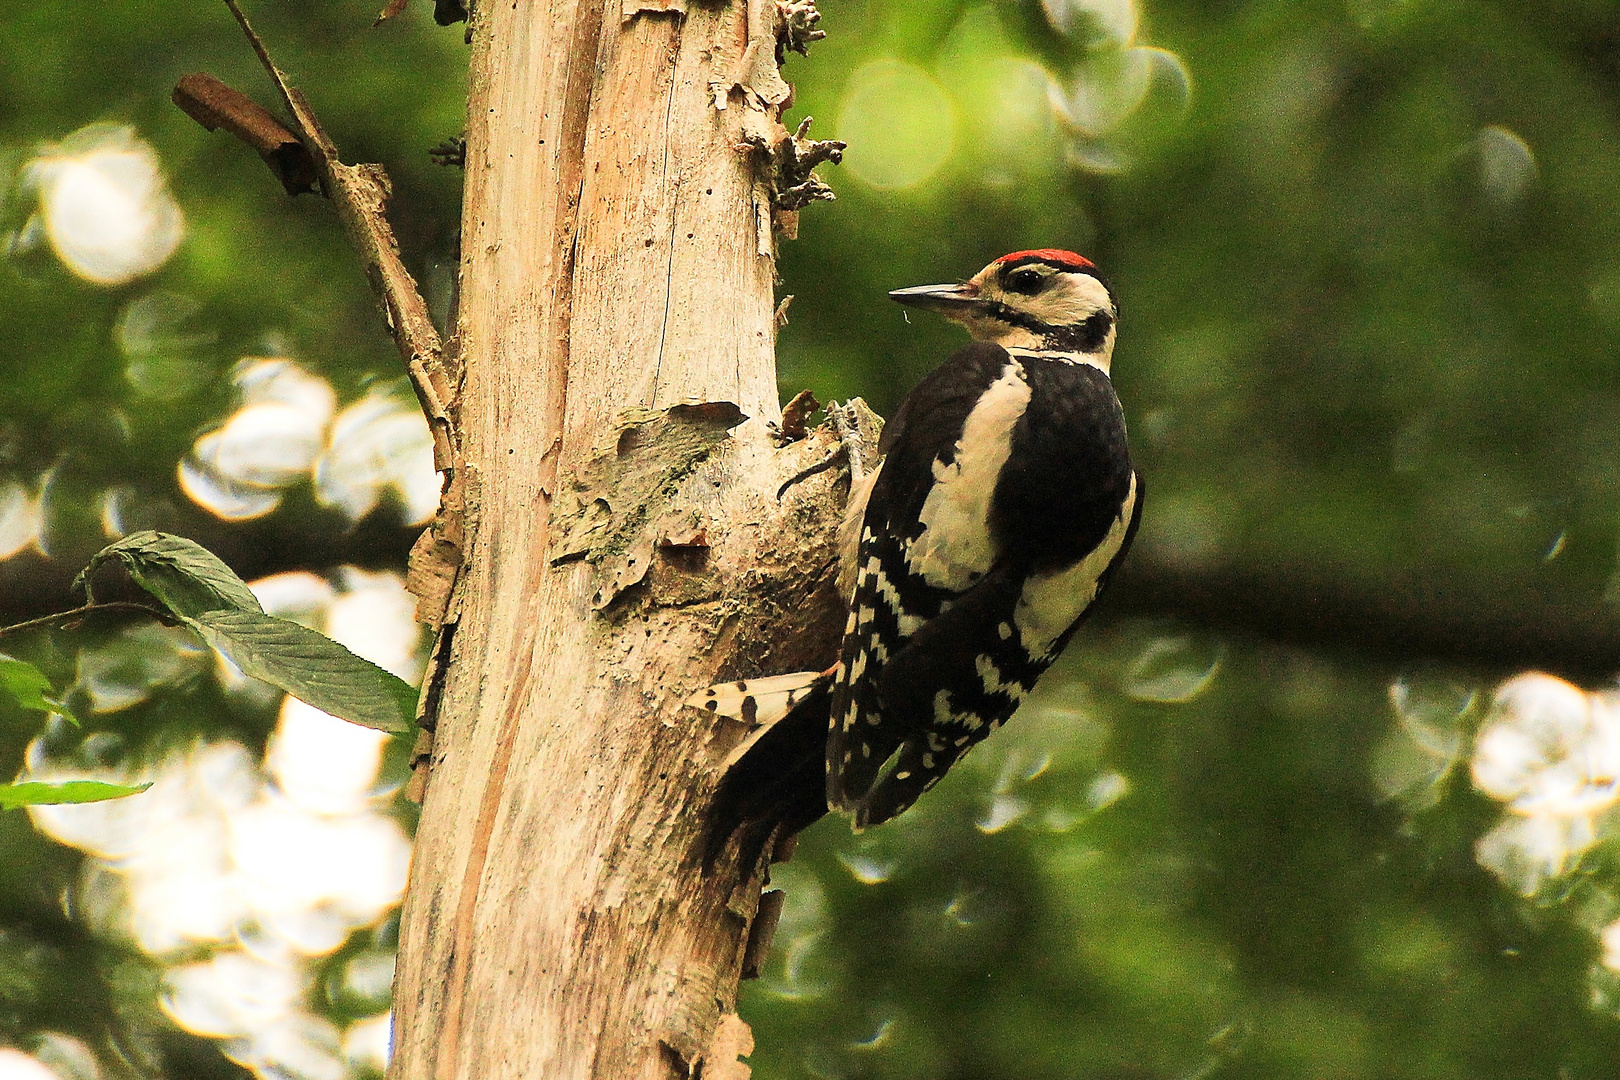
[{"x": 625, "y": 544}]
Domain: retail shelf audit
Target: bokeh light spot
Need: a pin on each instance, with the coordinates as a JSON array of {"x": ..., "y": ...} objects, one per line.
[
  {"x": 161, "y": 354},
  {"x": 284, "y": 432},
  {"x": 900, "y": 124},
  {"x": 129, "y": 667},
  {"x": 367, "y": 1043},
  {"x": 1551, "y": 752},
  {"x": 1110, "y": 20},
  {"x": 377, "y": 444},
  {"x": 866, "y": 869},
  {"x": 1549, "y": 747},
  {"x": 105, "y": 204},
  {"x": 1507, "y": 165},
  {"x": 20, "y": 518},
  {"x": 16, "y": 1065},
  {"x": 237, "y": 876},
  {"x": 1172, "y": 670},
  {"x": 221, "y": 496}
]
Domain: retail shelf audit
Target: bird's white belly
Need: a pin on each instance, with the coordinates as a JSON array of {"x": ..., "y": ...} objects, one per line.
[
  {"x": 1050, "y": 603},
  {"x": 955, "y": 548}
]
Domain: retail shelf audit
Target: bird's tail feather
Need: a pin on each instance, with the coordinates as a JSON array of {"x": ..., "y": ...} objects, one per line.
[{"x": 775, "y": 776}]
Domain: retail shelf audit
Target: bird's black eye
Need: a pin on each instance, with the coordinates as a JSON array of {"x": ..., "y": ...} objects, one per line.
[{"x": 1026, "y": 281}]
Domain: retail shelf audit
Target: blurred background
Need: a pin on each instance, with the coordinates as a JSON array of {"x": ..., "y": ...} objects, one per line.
[{"x": 1327, "y": 788}]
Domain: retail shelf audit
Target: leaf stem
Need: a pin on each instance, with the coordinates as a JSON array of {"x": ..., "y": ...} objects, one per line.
[{"x": 83, "y": 611}]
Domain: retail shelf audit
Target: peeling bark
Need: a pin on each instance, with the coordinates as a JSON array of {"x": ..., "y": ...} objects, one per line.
[{"x": 625, "y": 545}]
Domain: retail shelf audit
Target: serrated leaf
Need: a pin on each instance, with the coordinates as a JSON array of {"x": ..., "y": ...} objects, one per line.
[
  {"x": 184, "y": 576},
  {"x": 27, "y": 686},
  {"x": 32, "y": 793},
  {"x": 311, "y": 667}
]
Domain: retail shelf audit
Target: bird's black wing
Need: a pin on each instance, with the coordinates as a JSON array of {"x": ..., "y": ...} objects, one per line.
[{"x": 889, "y": 601}]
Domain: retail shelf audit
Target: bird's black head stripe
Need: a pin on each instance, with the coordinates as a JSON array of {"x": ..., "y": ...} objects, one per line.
[
  {"x": 1067, "y": 268},
  {"x": 1084, "y": 337}
]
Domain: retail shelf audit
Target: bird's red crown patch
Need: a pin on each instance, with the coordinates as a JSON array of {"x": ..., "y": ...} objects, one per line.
[{"x": 1055, "y": 256}]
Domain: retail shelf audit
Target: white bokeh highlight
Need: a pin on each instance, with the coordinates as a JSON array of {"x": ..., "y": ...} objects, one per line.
[
  {"x": 1550, "y": 752},
  {"x": 1094, "y": 101},
  {"x": 20, "y": 519},
  {"x": 1113, "y": 20},
  {"x": 104, "y": 204},
  {"x": 287, "y": 429},
  {"x": 378, "y": 443},
  {"x": 16, "y": 1065},
  {"x": 1507, "y": 165},
  {"x": 367, "y": 1043},
  {"x": 261, "y": 867}
]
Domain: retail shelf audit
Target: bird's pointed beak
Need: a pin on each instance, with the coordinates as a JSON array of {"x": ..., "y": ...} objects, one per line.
[{"x": 948, "y": 300}]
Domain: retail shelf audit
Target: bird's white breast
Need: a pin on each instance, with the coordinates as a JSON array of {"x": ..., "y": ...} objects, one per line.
[
  {"x": 1050, "y": 603},
  {"x": 955, "y": 548}
]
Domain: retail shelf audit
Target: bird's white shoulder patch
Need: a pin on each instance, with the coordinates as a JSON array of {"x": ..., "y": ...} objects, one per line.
[
  {"x": 1050, "y": 603},
  {"x": 955, "y": 548}
]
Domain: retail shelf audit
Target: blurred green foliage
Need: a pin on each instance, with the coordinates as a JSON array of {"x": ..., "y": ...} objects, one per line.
[{"x": 1367, "y": 257}]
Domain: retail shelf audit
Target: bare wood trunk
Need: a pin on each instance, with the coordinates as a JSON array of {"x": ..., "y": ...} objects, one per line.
[{"x": 559, "y": 923}]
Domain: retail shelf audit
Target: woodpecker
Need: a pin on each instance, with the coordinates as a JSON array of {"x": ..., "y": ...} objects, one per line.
[{"x": 1002, "y": 503}]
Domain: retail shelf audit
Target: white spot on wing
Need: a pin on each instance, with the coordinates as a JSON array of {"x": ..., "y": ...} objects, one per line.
[
  {"x": 890, "y": 598},
  {"x": 990, "y": 676},
  {"x": 954, "y": 548}
]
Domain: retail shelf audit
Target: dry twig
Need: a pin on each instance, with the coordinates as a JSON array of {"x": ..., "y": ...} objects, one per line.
[{"x": 299, "y": 157}]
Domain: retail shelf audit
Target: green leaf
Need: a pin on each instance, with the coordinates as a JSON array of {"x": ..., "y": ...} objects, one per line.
[
  {"x": 186, "y": 577},
  {"x": 208, "y": 597},
  {"x": 27, "y": 686},
  {"x": 311, "y": 667},
  {"x": 74, "y": 791}
]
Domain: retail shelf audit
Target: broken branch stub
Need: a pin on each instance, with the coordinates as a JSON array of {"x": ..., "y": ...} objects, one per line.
[
  {"x": 799, "y": 19},
  {"x": 768, "y": 30},
  {"x": 215, "y": 105},
  {"x": 794, "y": 159},
  {"x": 360, "y": 194},
  {"x": 794, "y": 415}
]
